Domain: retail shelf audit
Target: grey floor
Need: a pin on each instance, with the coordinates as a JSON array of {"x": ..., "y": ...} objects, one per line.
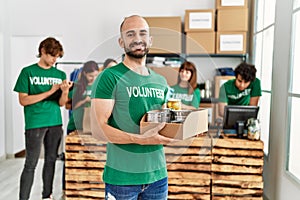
[{"x": 10, "y": 171}]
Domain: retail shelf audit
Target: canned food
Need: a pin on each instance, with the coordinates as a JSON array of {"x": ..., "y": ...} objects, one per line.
[
  {"x": 159, "y": 116},
  {"x": 180, "y": 115},
  {"x": 174, "y": 104},
  {"x": 165, "y": 115},
  {"x": 153, "y": 116}
]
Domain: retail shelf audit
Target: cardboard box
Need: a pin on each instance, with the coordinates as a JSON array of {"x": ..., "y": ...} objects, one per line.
[
  {"x": 219, "y": 81},
  {"x": 200, "y": 42},
  {"x": 170, "y": 73},
  {"x": 172, "y": 23},
  {"x": 232, "y": 19},
  {"x": 199, "y": 20},
  {"x": 166, "y": 33},
  {"x": 224, "y": 4},
  {"x": 166, "y": 43},
  {"x": 195, "y": 123},
  {"x": 231, "y": 43}
]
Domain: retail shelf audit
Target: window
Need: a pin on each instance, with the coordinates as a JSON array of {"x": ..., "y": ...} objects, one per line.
[
  {"x": 293, "y": 164},
  {"x": 296, "y": 4},
  {"x": 263, "y": 36}
]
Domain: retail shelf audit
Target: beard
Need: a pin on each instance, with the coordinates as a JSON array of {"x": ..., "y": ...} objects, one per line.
[
  {"x": 132, "y": 54},
  {"x": 137, "y": 55}
]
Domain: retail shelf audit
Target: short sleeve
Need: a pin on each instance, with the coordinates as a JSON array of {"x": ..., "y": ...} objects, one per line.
[
  {"x": 256, "y": 88},
  {"x": 222, "y": 94},
  {"x": 196, "y": 98},
  {"x": 104, "y": 86},
  {"x": 22, "y": 84}
]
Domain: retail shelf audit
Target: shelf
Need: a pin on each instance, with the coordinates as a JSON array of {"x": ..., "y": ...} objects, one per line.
[
  {"x": 72, "y": 63},
  {"x": 167, "y": 55},
  {"x": 168, "y": 59},
  {"x": 242, "y": 56},
  {"x": 211, "y": 100},
  {"x": 183, "y": 57}
]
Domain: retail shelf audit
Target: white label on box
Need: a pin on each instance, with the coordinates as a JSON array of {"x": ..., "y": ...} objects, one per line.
[
  {"x": 232, "y": 2},
  {"x": 200, "y": 20},
  {"x": 231, "y": 42}
]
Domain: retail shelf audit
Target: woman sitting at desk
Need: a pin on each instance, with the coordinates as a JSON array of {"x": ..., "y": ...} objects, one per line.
[
  {"x": 186, "y": 88},
  {"x": 245, "y": 89}
]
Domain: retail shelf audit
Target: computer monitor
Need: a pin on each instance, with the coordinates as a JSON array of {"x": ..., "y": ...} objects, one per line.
[{"x": 235, "y": 118}]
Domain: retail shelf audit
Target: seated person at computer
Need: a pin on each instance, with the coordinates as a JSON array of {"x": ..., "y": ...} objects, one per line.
[
  {"x": 245, "y": 89},
  {"x": 186, "y": 88}
]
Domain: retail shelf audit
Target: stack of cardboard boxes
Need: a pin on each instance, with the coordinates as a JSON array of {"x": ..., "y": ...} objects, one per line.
[
  {"x": 211, "y": 31},
  {"x": 166, "y": 32},
  {"x": 200, "y": 31},
  {"x": 232, "y": 26}
]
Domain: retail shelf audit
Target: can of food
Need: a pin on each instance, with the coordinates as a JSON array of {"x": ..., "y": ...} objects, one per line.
[
  {"x": 180, "y": 115},
  {"x": 153, "y": 116},
  {"x": 174, "y": 104},
  {"x": 165, "y": 115}
]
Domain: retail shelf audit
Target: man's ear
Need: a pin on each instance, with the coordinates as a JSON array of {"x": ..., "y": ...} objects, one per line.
[{"x": 121, "y": 43}]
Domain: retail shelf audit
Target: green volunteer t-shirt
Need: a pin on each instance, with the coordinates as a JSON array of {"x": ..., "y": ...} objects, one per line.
[
  {"x": 35, "y": 80},
  {"x": 76, "y": 118},
  {"x": 231, "y": 95},
  {"x": 134, "y": 95},
  {"x": 185, "y": 97}
]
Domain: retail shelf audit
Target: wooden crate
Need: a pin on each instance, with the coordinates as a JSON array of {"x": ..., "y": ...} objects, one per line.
[
  {"x": 237, "y": 168},
  {"x": 189, "y": 168},
  {"x": 84, "y": 164}
]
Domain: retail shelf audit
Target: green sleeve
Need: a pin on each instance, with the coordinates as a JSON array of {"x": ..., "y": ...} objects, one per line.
[
  {"x": 70, "y": 95},
  {"x": 196, "y": 98},
  {"x": 22, "y": 84},
  {"x": 104, "y": 86},
  {"x": 222, "y": 94},
  {"x": 256, "y": 88}
]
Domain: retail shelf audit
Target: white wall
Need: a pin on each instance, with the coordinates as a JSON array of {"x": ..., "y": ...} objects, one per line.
[
  {"x": 87, "y": 24},
  {"x": 89, "y": 29},
  {"x": 2, "y": 115}
]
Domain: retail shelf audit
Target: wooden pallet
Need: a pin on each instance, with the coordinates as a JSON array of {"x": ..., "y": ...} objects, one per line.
[
  {"x": 85, "y": 159},
  {"x": 198, "y": 168},
  {"x": 189, "y": 168},
  {"x": 237, "y": 168}
]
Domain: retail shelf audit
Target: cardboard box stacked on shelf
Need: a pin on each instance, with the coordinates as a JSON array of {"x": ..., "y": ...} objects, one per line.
[
  {"x": 200, "y": 31},
  {"x": 232, "y": 26},
  {"x": 166, "y": 33}
]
